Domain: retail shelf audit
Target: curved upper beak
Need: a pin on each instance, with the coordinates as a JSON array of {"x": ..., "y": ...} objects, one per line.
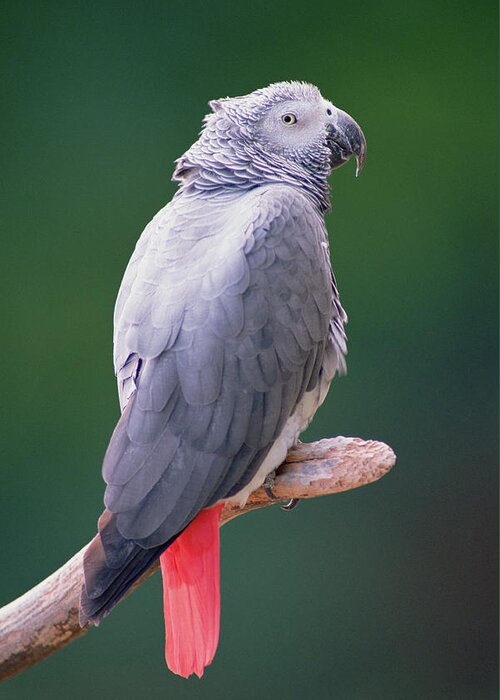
[{"x": 345, "y": 139}]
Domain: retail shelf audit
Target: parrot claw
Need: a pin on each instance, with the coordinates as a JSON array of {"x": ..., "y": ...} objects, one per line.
[
  {"x": 268, "y": 488},
  {"x": 291, "y": 504}
]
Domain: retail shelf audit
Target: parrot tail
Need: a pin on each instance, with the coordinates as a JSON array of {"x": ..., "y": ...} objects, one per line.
[{"x": 191, "y": 594}]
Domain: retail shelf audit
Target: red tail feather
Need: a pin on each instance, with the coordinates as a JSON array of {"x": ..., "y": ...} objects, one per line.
[{"x": 191, "y": 595}]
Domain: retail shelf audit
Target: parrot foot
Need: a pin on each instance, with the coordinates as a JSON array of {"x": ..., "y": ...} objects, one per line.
[
  {"x": 268, "y": 485},
  {"x": 268, "y": 488}
]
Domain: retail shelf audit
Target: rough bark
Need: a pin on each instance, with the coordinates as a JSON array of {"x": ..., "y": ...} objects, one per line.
[{"x": 45, "y": 618}]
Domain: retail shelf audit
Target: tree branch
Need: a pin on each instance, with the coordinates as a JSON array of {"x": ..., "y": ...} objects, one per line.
[{"x": 45, "y": 618}]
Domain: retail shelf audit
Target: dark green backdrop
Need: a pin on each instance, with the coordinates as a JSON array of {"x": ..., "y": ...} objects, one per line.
[{"x": 383, "y": 593}]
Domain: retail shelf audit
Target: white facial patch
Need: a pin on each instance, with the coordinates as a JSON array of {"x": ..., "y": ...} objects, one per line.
[{"x": 293, "y": 124}]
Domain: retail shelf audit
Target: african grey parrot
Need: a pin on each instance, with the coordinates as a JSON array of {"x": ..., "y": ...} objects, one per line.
[{"x": 228, "y": 332}]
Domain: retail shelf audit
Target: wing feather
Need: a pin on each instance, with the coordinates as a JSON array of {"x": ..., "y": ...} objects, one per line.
[{"x": 226, "y": 311}]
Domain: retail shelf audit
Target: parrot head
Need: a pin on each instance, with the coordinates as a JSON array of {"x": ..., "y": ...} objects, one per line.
[{"x": 284, "y": 132}]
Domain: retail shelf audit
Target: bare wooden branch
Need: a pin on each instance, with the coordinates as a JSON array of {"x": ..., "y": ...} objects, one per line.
[{"x": 45, "y": 618}]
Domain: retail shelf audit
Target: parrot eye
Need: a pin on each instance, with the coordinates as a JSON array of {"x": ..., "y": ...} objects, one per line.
[
  {"x": 329, "y": 112},
  {"x": 289, "y": 119}
]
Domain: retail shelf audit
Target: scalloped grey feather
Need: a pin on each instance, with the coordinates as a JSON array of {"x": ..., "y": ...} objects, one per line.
[{"x": 227, "y": 323}]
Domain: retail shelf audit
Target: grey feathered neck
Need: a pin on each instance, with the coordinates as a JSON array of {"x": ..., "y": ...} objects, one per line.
[{"x": 227, "y": 155}]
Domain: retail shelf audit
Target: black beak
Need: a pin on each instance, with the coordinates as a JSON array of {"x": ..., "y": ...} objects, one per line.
[{"x": 345, "y": 139}]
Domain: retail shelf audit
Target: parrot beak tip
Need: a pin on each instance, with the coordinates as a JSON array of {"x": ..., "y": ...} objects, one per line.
[
  {"x": 360, "y": 155},
  {"x": 360, "y": 162}
]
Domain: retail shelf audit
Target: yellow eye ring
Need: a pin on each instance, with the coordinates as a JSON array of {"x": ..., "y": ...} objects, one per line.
[{"x": 289, "y": 119}]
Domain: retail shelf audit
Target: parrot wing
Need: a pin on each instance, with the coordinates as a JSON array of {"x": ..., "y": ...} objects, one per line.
[
  {"x": 226, "y": 326},
  {"x": 225, "y": 319}
]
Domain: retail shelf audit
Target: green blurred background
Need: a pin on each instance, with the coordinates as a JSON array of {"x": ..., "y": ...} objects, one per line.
[{"x": 383, "y": 593}]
